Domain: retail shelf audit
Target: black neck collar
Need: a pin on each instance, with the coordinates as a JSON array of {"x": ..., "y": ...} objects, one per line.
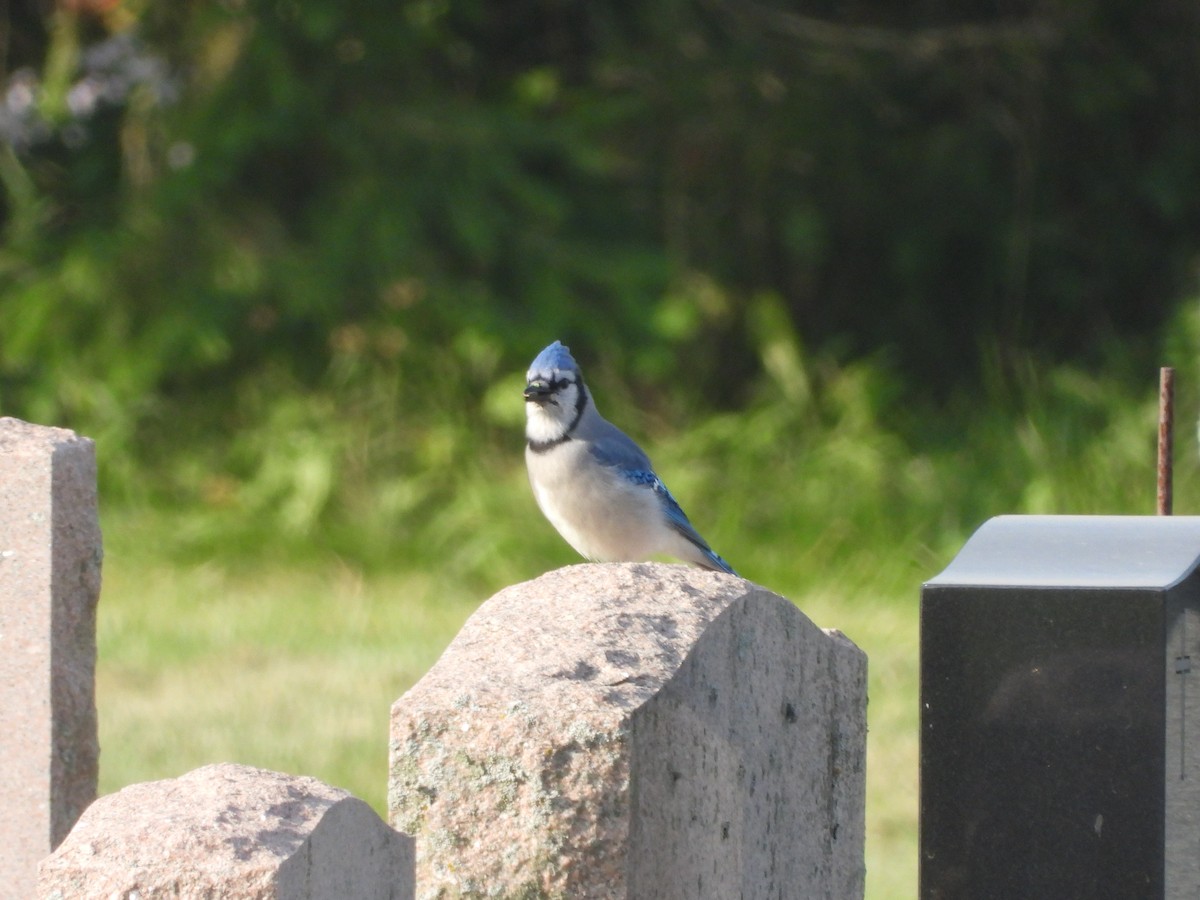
[{"x": 580, "y": 403}]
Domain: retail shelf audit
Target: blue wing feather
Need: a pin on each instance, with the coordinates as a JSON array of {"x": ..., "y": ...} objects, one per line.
[
  {"x": 679, "y": 521},
  {"x": 615, "y": 449},
  {"x": 628, "y": 458}
]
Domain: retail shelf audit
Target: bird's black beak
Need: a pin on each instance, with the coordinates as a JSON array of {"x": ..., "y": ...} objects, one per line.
[{"x": 538, "y": 391}]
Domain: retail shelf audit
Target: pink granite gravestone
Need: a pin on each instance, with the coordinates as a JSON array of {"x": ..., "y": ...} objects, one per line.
[
  {"x": 50, "y": 555},
  {"x": 615, "y": 732},
  {"x": 234, "y": 832}
]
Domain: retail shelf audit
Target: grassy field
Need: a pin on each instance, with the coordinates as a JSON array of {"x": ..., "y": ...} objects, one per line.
[{"x": 216, "y": 645}]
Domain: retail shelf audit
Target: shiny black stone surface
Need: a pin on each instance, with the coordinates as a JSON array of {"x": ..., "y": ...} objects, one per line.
[
  {"x": 1054, "y": 742},
  {"x": 1042, "y": 745}
]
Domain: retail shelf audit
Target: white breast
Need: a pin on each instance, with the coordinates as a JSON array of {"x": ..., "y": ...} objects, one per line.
[{"x": 599, "y": 513}]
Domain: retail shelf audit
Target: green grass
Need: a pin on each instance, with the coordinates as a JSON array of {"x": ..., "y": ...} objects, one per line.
[
  {"x": 226, "y": 635},
  {"x": 284, "y": 667}
]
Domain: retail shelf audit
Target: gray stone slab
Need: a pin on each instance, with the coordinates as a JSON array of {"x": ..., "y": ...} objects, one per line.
[
  {"x": 1076, "y": 552},
  {"x": 632, "y": 731},
  {"x": 50, "y": 554},
  {"x": 234, "y": 832}
]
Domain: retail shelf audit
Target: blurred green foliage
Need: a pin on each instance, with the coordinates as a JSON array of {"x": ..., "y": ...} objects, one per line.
[{"x": 289, "y": 258}]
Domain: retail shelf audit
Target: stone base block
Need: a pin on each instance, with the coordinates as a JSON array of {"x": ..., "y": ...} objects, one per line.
[{"x": 233, "y": 832}]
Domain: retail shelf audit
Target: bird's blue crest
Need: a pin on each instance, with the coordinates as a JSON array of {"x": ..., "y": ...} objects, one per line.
[{"x": 556, "y": 356}]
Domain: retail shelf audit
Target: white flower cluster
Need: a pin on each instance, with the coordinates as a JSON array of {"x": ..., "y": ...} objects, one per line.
[{"x": 109, "y": 72}]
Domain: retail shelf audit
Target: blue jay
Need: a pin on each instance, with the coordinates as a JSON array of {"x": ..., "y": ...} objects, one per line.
[{"x": 591, "y": 480}]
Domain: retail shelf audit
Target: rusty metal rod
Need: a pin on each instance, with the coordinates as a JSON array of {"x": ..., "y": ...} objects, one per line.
[{"x": 1166, "y": 437}]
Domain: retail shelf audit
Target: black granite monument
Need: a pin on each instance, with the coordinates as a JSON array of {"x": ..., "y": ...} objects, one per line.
[{"x": 1059, "y": 713}]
